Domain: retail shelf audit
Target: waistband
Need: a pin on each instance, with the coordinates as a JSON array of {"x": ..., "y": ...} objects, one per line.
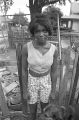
[{"x": 34, "y": 74}]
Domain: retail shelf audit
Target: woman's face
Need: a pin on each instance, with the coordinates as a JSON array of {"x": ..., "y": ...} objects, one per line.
[{"x": 40, "y": 35}]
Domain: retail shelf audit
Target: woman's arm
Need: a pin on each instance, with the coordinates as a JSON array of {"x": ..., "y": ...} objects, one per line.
[
  {"x": 54, "y": 72},
  {"x": 24, "y": 71}
]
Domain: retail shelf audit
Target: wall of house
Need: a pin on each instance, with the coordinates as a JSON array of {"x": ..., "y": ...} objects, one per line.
[
  {"x": 75, "y": 25},
  {"x": 74, "y": 8}
]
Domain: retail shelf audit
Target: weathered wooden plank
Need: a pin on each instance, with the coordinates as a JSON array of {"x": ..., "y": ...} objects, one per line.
[
  {"x": 74, "y": 79},
  {"x": 3, "y": 103}
]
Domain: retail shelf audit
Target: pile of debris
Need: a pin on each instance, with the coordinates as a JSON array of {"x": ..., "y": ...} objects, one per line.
[{"x": 10, "y": 85}]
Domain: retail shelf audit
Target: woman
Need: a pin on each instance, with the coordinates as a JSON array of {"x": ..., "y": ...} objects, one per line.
[{"x": 39, "y": 64}]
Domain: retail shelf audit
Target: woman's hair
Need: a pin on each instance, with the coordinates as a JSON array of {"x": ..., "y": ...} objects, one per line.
[{"x": 40, "y": 19}]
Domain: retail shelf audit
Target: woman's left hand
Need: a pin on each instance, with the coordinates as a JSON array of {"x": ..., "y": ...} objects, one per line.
[{"x": 52, "y": 95}]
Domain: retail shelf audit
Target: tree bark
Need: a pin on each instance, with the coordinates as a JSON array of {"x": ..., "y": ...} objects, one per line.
[{"x": 36, "y": 6}]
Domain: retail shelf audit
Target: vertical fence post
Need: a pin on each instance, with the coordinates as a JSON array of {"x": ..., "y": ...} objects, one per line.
[{"x": 60, "y": 61}]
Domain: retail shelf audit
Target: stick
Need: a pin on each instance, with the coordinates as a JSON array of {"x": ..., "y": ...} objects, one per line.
[{"x": 60, "y": 62}]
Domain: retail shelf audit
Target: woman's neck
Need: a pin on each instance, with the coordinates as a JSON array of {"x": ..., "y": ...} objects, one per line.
[
  {"x": 47, "y": 45},
  {"x": 36, "y": 44}
]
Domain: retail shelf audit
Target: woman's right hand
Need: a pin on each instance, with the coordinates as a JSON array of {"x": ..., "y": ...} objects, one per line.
[{"x": 26, "y": 95}]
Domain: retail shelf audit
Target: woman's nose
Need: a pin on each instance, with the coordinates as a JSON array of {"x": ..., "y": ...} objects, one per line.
[{"x": 41, "y": 33}]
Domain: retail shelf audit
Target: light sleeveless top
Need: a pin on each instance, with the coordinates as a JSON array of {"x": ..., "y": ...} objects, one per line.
[{"x": 36, "y": 61}]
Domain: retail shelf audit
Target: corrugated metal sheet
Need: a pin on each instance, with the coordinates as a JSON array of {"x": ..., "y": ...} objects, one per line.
[{"x": 71, "y": 17}]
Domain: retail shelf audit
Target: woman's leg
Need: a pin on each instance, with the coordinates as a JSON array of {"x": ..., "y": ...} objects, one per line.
[
  {"x": 43, "y": 105},
  {"x": 45, "y": 90},
  {"x": 33, "y": 111},
  {"x": 33, "y": 92}
]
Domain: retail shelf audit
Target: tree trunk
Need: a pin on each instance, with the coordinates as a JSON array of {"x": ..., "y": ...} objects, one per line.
[
  {"x": 34, "y": 7},
  {"x": 34, "y": 12}
]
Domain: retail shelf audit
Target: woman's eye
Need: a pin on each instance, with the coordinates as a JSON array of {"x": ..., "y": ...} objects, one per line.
[
  {"x": 39, "y": 31},
  {"x": 44, "y": 31}
]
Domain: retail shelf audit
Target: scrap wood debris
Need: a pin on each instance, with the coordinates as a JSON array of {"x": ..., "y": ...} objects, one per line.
[{"x": 10, "y": 85}]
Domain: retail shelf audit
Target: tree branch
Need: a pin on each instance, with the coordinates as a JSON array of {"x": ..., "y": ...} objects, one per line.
[
  {"x": 30, "y": 3},
  {"x": 47, "y": 2},
  {"x": 36, "y": 2},
  {"x": 70, "y": 1},
  {"x": 27, "y": 6}
]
